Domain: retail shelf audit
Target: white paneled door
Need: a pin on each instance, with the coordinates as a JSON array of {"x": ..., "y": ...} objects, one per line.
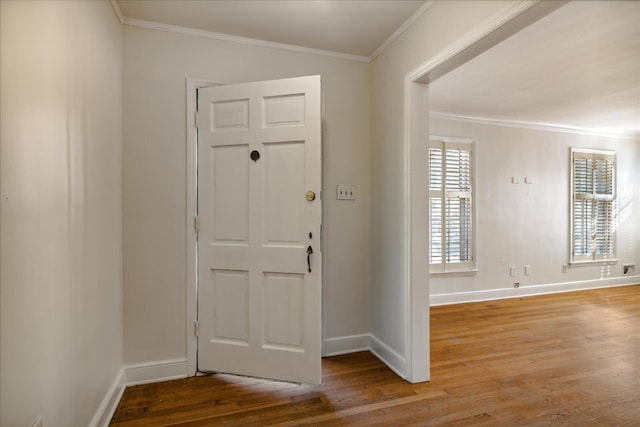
[{"x": 259, "y": 210}]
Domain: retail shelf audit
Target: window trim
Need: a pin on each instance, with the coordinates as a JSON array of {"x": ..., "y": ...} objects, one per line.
[
  {"x": 444, "y": 268},
  {"x": 594, "y": 259}
]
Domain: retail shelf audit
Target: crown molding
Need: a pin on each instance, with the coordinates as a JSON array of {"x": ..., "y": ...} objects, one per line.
[
  {"x": 118, "y": 12},
  {"x": 150, "y": 25},
  {"x": 401, "y": 29},
  {"x": 237, "y": 39},
  {"x": 526, "y": 124}
]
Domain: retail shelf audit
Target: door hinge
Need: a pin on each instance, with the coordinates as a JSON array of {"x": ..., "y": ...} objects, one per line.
[
  {"x": 196, "y": 328},
  {"x": 196, "y": 224}
]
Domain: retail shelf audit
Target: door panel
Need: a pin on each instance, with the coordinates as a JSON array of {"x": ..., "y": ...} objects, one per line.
[
  {"x": 258, "y": 304},
  {"x": 285, "y": 110},
  {"x": 230, "y": 169},
  {"x": 284, "y": 208},
  {"x": 283, "y": 329},
  {"x": 230, "y": 307},
  {"x": 230, "y": 115}
]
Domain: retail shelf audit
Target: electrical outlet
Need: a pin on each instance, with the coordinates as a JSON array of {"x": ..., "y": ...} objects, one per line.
[
  {"x": 527, "y": 270},
  {"x": 564, "y": 268},
  {"x": 515, "y": 180},
  {"x": 512, "y": 271},
  {"x": 628, "y": 269},
  {"x": 516, "y": 284},
  {"x": 346, "y": 192}
]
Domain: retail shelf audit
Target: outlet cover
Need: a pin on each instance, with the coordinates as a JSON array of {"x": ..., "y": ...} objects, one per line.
[
  {"x": 512, "y": 271},
  {"x": 628, "y": 269},
  {"x": 346, "y": 192}
]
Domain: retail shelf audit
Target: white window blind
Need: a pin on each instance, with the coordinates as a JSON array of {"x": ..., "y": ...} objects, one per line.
[
  {"x": 450, "y": 206},
  {"x": 593, "y": 196}
]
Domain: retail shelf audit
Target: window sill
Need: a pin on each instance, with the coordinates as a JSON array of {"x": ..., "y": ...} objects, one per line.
[
  {"x": 593, "y": 263},
  {"x": 471, "y": 272}
]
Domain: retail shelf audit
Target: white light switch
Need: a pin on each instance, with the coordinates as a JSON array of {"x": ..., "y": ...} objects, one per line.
[
  {"x": 346, "y": 192},
  {"x": 527, "y": 270},
  {"x": 528, "y": 180},
  {"x": 515, "y": 180},
  {"x": 512, "y": 271}
]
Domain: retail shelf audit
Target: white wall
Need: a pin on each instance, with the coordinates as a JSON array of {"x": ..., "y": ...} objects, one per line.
[
  {"x": 61, "y": 198},
  {"x": 155, "y": 67},
  {"x": 528, "y": 224},
  {"x": 442, "y": 24}
]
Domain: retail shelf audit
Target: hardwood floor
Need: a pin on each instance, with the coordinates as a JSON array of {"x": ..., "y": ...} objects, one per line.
[{"x": 562, "y": 359}]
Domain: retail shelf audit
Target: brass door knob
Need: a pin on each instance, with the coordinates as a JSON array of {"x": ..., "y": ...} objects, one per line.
[{"x": 311, "y": 196}]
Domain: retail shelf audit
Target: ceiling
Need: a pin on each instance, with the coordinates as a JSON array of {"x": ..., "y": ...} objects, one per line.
[
  {"x": 577, "y": 67},
  {"x": 344, "y": 26}
]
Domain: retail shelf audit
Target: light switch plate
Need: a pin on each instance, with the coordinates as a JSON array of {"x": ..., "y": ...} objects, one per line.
[{"x": 346, "y": 192}]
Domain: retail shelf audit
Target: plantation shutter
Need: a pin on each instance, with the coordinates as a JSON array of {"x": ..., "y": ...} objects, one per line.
[
  {"x": 436, "y": 214},
  {"x": 450, "y": 206},
  {"x": 593, "y": 188}
]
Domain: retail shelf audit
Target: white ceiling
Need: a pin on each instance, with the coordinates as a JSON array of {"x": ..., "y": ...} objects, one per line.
[
  {"x": 577, "y": 67},
  {"x": 344, "y": 26}
]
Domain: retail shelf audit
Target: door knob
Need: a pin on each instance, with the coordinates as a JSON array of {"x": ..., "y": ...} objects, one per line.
[{"x": 311, "y": 196}]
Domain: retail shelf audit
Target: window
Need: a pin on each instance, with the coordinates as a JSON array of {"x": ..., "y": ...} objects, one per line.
[
  {"x": 450, "y": 205},
  {"x": 592, "y": 205}
]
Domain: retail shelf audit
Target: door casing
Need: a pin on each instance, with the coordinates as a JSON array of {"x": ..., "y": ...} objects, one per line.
[{"x": 192, "y": 85}]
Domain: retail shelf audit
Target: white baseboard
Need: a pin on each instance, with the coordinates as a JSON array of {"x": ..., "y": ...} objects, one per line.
[
  {"x": 136, "y": 374},
  {"x": 107, "y": 408},
  {"x": 153, "y": 372},
  {"x": 522, "y": 291},
  {"x": 346, "y": 344},
  {"x": 388, "y": 356}
]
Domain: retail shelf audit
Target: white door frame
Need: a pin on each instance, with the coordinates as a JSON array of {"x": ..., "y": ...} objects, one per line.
[
  {"x": 416, "y": 130},
  {"x": 192, "y": 84}
]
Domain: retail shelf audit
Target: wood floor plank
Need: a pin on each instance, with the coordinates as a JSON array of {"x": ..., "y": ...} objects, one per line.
[{"x": 564, "y": 359}]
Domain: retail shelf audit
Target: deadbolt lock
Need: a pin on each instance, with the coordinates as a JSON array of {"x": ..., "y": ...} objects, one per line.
[{"x": 311, "y": 196}]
